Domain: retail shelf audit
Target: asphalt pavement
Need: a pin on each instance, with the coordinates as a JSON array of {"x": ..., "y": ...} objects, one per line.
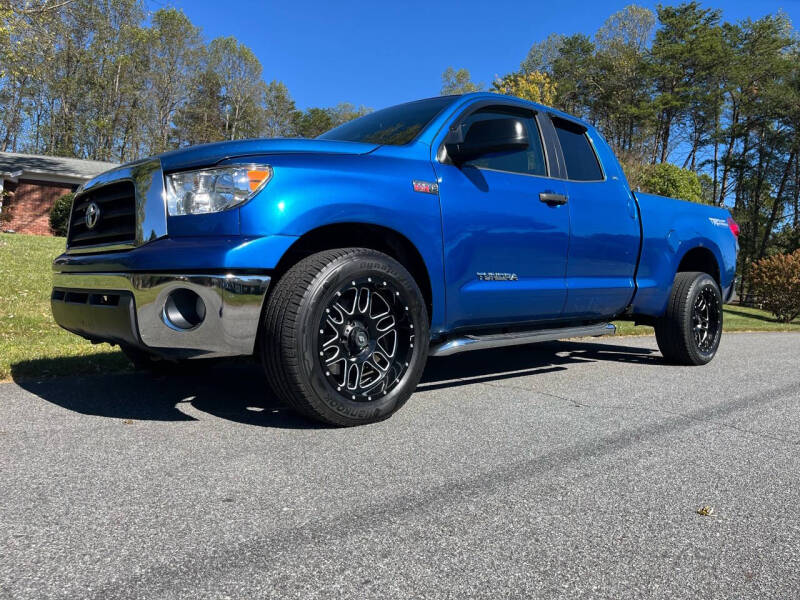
[{"x": 563, "y": 470}]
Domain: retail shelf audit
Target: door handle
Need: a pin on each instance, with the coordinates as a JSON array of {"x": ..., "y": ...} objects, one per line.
[{"x": 552, "y": 199}]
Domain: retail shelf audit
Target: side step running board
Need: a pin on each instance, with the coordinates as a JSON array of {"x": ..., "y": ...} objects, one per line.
[{"x": 497, "y": 340}]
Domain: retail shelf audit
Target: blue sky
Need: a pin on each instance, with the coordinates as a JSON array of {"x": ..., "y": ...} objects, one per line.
[{"x": 381, "y": 53}]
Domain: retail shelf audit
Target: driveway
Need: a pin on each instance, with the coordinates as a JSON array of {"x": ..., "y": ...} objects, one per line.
[{"x": 571, "y": 470}]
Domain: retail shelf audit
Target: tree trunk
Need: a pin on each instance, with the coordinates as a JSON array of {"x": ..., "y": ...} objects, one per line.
[
  {"x": 665, "y": 137},
  {"x": 726, "y": 160},
  {"x": 761, "y": 174},
  {"x": 715, "y": 200},
  {"x": 796, "y": 219},
  {"x": 776, "y": 206}
]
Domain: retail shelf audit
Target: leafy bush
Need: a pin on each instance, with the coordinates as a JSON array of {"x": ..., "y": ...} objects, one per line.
[
  {"x": 666, "y": 179},
  {"x": 6, "y": 199},
  {"x": 59, "y": 214},
  {"x": 776, "y": 282}
]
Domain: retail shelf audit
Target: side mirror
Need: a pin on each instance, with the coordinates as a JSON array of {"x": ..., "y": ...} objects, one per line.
[{"x": 491, "y": 136}]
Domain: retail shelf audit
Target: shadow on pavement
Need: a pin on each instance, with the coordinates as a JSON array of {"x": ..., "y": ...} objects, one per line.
[
  {"x": 237, "y": 390},
  {"x": 96, "y": 363},
  {"x": 519, "y": 361}
]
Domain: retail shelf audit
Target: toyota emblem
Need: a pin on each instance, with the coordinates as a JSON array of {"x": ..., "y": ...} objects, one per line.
[{"x": 92, "y": 215}]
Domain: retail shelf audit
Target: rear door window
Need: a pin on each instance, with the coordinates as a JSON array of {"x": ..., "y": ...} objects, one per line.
[{"x": 579, "y": 156}]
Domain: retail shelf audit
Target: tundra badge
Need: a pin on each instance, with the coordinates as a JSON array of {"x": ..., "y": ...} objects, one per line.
[{"x": 497, "y": 276}]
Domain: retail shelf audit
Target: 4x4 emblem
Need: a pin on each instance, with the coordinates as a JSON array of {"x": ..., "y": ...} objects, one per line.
[{"x": 92, "y": 215}]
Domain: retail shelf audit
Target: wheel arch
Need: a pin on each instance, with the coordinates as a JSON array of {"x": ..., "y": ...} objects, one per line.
[
  {"x": 702, "y": 259},
  {"x": 361, "y": 235}
]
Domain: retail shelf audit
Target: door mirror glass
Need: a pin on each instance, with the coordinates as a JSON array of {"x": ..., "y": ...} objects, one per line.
[{"x": 489, "y": 136}]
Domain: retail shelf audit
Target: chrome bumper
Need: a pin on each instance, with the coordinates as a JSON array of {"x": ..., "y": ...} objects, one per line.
[{"x": 129, "y": 308}]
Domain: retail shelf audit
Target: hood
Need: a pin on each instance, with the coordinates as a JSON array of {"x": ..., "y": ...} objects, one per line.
[{"x": 210, "y": 154}]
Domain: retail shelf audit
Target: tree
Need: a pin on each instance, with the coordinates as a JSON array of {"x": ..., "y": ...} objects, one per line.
[
  {"x": 313, "y": 122},
  {"x": 458, "y": 82},
  {"x": 761, "y": 137},
  {"x": 533, "y": 86},
  {"x": 629, "y": 28},
  {"x": 574, "y": 74},
  {"x": 345, "y": 111},
  {"x": 279, "y": 111},
  {"x": 19, "y": 63},
  {"x": 118, "y": 54},
  {"x": 621, "y": 101},
  {"x": 201, "y": 119},
  {"x": 681, "y": 54},
  {"x": 316, "y": 121},
  {"x": 542, "y": 55},
  {"x": 175, "y": 52},
  {"x": 241, "y": 86}
]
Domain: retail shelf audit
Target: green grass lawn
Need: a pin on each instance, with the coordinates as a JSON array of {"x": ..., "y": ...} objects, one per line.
[
  {"x": 33, "y": 346},
  {"x": 735, "y": 318}
]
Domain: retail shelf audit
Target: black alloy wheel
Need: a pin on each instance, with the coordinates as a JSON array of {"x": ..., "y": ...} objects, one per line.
[
  {"x": 706, "y": 319},
  {"x": 345, "y": 336},
  {"x": 690, "y": 331},
  {"x": 366, "y": 339}
]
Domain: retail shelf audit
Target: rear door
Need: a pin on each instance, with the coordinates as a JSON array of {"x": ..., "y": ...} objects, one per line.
[
  {"x": 604, "y": 228},
  {"x": 505, "y": 250}
]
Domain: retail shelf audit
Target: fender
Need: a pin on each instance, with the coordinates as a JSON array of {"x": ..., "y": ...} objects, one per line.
[
  {"x": 311, "y": 191},
  {"x": 671, "y": 229}
]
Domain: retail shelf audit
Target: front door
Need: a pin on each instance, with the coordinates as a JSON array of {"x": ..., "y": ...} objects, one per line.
[{"x": 505, "y": 249}]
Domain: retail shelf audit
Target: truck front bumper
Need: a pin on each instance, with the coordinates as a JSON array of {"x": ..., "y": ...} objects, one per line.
[{"x": 172, "y": 315}]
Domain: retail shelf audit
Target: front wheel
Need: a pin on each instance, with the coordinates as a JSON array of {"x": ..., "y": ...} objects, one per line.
[
  {"x": 345, "y": 336},
  {"x": 689, "y": 332}
]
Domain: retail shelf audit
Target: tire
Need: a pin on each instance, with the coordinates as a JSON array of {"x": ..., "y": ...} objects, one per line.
[
  {"x": 320, "y": 327},
  {"x": 690, "y": 331}
]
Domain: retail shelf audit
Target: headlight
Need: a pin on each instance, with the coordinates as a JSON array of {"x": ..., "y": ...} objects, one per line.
[{"x": 213, "y": 190}]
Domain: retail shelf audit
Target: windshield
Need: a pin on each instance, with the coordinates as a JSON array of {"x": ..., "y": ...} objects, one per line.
[{"x": 396, "y": 125}]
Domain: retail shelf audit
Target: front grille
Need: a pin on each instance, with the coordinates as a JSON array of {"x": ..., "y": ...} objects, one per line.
[{"x": 116, "y": 221}]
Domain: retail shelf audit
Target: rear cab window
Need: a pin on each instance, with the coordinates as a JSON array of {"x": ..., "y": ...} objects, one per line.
[{"x": 579, "y": 155}]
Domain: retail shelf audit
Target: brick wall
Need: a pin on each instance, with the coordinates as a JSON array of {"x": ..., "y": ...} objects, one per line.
[{"x": 29, "y": 209}]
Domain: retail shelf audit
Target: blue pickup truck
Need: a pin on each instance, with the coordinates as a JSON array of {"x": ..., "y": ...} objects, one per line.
[{"x": 429, "y": 228}]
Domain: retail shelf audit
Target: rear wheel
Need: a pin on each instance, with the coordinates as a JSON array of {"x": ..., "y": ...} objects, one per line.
[
  {"x": 345, "y": 336},
  {"x": 690, "y": 331}
]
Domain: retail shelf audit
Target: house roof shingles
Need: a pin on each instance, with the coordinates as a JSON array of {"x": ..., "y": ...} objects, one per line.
[{"x": 12, "y": 163}]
